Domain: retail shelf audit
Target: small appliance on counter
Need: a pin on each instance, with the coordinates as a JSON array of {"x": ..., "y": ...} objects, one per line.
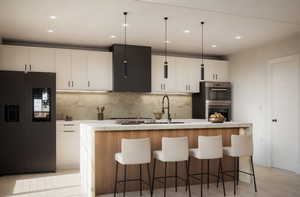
[{"x": 214, "y": 97}]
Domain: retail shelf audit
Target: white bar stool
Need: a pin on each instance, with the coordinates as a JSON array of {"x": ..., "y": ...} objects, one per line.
[
  {"x": 209, "y": 147},
  {"x": 173, "y": 150},
  {"x": 241, "y": 146},
  {"x": 133, "y": 152}
]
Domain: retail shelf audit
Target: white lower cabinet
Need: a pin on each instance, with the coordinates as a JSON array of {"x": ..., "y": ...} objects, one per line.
[{"x": 67, "y": 145}]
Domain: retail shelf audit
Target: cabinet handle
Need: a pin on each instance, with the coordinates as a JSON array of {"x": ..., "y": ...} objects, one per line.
[
  {"x": 217, "y": 76},
  {"x": 68, "y": 125},
  {"x": 89, "y": 83},
  {"x": 214, "y": 77},
  {"x": 164, "y": 86},
  {"x": 72, "y": 83},
  {"x": 25, "y": 67},
  {"x": 30, "y": 67},
  {"x": 70, "y": 131},
  {"x": 185, "y": 87},
  {"x": 68, "y": 83},
  {"x": 189, "y": 87},
  {"x": 161, "y": 88}
]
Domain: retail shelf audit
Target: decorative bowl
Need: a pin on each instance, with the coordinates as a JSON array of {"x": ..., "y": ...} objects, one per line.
[
  {"x": 157, "y": 115},
  {"x": 216, "y": 120}
]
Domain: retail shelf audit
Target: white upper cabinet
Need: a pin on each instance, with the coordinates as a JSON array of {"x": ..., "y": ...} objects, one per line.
[
  {"x": 41, "y": 59},
  {"x": 99, "y": 70},
  {"x": 83, "y": 70},
  {"x": 79, "y": 69},
  {"x": 63, "y": 62},
  {"x": 188, "y": 74},
  {"x": 19, "y": 58},
  {"x": 159, "y": 83},
  {"x": 14, "y": 58},
  {"x": 215, "y": 70}
]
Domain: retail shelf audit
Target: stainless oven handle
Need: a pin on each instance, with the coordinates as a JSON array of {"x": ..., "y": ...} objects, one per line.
[{"x": 214, "y": 89}]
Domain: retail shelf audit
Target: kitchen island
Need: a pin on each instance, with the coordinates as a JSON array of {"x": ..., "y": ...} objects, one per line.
[{"x": 100, "y": 140}]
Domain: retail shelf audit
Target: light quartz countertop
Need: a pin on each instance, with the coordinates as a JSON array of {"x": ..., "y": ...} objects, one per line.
[{"x": 112, "y": 125}]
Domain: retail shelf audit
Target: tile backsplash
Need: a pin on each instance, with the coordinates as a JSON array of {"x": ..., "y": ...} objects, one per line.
[{"x": 82, "y": 106}]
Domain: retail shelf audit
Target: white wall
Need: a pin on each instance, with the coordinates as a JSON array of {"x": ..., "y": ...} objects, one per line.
[{"x": 248, "y": 73}]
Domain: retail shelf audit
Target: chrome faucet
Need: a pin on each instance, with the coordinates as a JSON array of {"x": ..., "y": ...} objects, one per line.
[{"x": 168, "y": 107}]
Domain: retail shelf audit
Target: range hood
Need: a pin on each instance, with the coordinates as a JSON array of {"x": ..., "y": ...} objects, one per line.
[{"x": 135, "y": 75}]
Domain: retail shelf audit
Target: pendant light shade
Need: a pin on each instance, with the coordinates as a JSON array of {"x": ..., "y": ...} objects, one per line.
[
  {"x": 202, "y": 53},
  {"x": 166, "y": 49},
  {"x": 125, "y": 62}
]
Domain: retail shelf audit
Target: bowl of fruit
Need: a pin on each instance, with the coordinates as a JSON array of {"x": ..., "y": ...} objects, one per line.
[{"x": 216, "y": 118}]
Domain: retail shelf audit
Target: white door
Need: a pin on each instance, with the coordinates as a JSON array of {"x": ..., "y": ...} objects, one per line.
[
  {"x": 42, "y": 59},
  {"x": 221, "y": 70},
  {"x": 79, "y": 70},
  {"x": 284, "y": 108},
  {"x": 100, "y": 70},
  {"x": 63, "y": 69},
  {"x": 157, "y": 73},
  {"x": 14, "y": 58}
]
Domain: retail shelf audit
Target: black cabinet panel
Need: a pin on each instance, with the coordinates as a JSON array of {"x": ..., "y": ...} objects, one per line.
[{"x": 138, "y": 69}]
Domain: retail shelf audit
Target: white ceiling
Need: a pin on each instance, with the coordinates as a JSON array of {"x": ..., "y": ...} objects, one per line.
[{"x": 91, "y": 22}]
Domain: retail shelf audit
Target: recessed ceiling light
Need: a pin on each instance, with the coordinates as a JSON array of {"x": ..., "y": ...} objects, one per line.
[
  {"x": 168, "y": 41},
  {"x": 187, "y": 31},
  {"x": 213, "y": 46},
  {"x": 238, "y": 37},
  {"x": 112, "y": 36},
  {"x": 125, "y": 25},
  {"x": 52, "y": 17},
  {"x": 50, "y": 31}
]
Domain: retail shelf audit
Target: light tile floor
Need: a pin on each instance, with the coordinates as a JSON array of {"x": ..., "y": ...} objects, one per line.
[{"x": 271, "y": 183}]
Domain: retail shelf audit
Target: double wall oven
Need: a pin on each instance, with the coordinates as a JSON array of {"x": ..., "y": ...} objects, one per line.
[{"x": 213, "y": 97}]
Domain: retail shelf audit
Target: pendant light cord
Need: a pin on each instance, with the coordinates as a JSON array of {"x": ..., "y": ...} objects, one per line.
[
  {"x": 202, "y": 23},
  {"x": 125, "y": 36},
  {"x": 166, "y": 38}
]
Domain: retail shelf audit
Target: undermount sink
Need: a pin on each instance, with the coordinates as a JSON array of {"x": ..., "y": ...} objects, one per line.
[{"x": 163, "y": 122}]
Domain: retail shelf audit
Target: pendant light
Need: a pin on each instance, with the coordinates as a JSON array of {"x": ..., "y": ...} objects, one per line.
[
  {"x": 166, "y": 49},
  {"x": 125, "y": 62},
  {"x": 202, "y": 54}
]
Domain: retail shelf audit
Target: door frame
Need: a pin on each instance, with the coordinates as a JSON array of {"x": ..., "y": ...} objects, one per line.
[{"x": 296, "y": 59}]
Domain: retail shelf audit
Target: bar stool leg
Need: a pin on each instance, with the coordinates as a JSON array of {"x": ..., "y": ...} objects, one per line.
[
  {"x": 165, "y": 181},
  {"x": 149, "y": 179},
  {"x": 141, "y": 184},
  {"x": 221, "y": 169},
  {"x": 176, "y": 176},
  {"x": 254, "y": 179},
  {"x": 218, "y": 175},
  {"x": 238, "y": 170},
  {"x": 208, "y": 174},
  {"x": 234, "y": 175},
  {"x": 153, "y": 177},
  {"x": 201, "y": 178},
  {"x": 116, "y": 179},
  {"x": 189, "y": 163},
  {"x": 188, "y": 177},
  {"x": 125, "y": 179}
]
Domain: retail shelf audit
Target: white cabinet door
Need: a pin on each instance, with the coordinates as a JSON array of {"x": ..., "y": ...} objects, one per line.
[
  {"x": 79, "y": 70},
  {"x": 171, "y": 81},
  {"x": 157, "y": 73},
  {"x": 183, "y": 69},
  {"x": 99, "y": 70},
  {"x": 194, "y": 75},
  {"x": 209, "y": 70},
  {"x": 215, "y": 70},
  {"x": 41, "y": 59},
  {"x": 14, "y": 58},
  {"x": 63, "y": 69},
  {"x": 221, "y": 70}
]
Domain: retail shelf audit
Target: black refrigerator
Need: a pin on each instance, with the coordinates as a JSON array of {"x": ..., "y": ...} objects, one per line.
[{"x": 27, "y": 122}]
